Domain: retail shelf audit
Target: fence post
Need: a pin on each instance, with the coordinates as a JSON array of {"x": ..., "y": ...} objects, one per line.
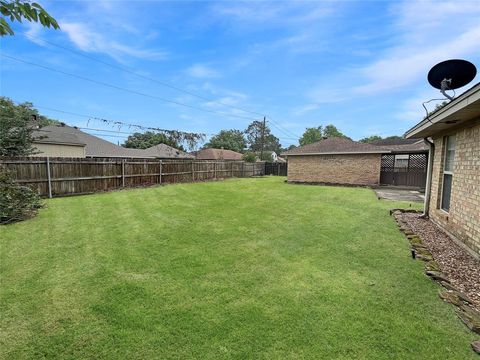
[
  {"x": 231, "y": 169},
  {"x": 215, "y": 169},
  {"x": 278, "y": 169},
  {"x": 193, "y": 171},
  {"x": 49, "y": 178},
  {"x": 160, "y": 173},
  {"x": 123, "y": 172},
  {"x": 243, "y": 169}
]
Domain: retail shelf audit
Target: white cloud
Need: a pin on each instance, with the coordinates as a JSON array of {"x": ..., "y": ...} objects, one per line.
[
  {"x": 407, "y": 64},
  {"x": 202, "y": 71},
  {"x": 272, "y": 13},
  {"x": 91, "y": 41},
  {"x": 428, "y": 32}
]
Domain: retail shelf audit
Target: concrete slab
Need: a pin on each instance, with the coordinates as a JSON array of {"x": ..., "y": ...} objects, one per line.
[{"x": 400, "y": 194}]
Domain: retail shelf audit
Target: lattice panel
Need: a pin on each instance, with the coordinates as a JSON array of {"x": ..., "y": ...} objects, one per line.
[
  {"x": 418, "y": 162},
  {"x": 387, "y": 162}
]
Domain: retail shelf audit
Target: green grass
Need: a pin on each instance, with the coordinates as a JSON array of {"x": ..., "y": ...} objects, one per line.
[{"x": 247, "y": 268}]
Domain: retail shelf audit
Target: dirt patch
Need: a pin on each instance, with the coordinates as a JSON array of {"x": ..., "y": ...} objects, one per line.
[{"x": 462, "y": 269}]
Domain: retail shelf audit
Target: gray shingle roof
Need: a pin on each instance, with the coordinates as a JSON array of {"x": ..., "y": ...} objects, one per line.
[
  {"x": 50, "y": 135},
  {"x": 217, "y": 154},
  {"x": 347, "y": 146},
  {"x": 167, "y": 152},
  {"x": 334, "y": 145},
  {"x": 95, "y": 146}
]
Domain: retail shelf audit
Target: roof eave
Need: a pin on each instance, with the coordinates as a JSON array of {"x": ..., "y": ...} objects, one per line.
[
  {"x": 341, "y": 153},
  {"x": 451, "y": 108}
]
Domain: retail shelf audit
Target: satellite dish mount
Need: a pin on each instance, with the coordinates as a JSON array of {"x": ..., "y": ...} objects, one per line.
[{"x": 444, "y": 86}]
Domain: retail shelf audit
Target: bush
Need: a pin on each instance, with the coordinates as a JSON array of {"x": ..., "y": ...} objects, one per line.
[
  {"x": 249, "y": 157},
  {"x": 17, "y": 202}
]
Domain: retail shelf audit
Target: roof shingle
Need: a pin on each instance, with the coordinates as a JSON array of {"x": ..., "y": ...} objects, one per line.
[{"x": 217, "y": 154}]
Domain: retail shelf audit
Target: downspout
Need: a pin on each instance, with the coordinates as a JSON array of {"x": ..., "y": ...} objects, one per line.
[{"x": 428, "y": 185}]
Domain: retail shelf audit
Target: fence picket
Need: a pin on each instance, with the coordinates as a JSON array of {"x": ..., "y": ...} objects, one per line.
[{"x": 67, "y": 176}]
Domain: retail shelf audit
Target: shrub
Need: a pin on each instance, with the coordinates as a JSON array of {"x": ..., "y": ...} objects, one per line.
[
  {"x": 17, "y": 202},
  {"x": 249, "y": 157}
]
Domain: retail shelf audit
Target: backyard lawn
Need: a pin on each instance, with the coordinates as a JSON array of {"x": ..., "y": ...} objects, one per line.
[{"x": 245, "y": 268}]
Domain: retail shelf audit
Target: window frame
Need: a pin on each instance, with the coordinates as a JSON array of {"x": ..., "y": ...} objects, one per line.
[{"x": 447, "y": 172}]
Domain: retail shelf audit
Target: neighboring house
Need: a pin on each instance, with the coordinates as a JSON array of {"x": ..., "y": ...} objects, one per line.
[
  {"x": 162, "y": 151},
  {"x": 217, "y": 154},
  {"x": 274, "y": 157},
  {"x": 49, "y": 142},
  {"x": 452, "y": 200},
  {"x": 347, "y": 162},
  {"x": 93, "y": 146}
]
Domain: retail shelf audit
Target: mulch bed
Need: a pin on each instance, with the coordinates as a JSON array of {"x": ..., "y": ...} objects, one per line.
[{"x": 461, "y": 268}]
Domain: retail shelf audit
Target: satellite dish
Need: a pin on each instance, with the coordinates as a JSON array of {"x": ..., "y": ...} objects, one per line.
[{"x": 451, "y": 75}]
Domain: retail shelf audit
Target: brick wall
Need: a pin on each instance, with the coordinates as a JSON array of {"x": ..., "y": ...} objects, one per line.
[
  {"x": 357, "y": 169},
  {"x": 463, "y": 219}
]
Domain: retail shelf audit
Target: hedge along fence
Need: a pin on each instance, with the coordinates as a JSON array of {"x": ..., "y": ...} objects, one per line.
[{"x": 67, "y": 176}]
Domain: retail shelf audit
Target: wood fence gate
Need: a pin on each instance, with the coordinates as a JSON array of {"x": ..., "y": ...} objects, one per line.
[
  {"x": 404, "y": 170},
  {"x": 279, "y": 169}
]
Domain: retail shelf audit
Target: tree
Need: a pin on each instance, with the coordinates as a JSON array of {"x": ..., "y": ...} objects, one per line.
[
  {"x": 254, "y": 138},
  {"x": 370, "y": 139},
  {"x": 149, "y": 139},
  {"x": 228, "y": 139},
  {"x": 16, "y": 138},
  {"x": 311, "y": 135},
  {"x": 332, "y": 131},
  {"x": 373, "y": 138},
  {"x": 249, "y": 157},
  {"x": 287, "y": 148},
  {"x": 17, "y": 202},
  {"x": 18, "y": 9},
  {"x": 318, "y": 133}
]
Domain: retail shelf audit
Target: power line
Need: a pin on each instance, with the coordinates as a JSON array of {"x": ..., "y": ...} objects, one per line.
[
  {"x": 121, "y": 68},
  {"x": 122, "y": 88},
  {"x": 117, "y": 122},
  {"x": 284, "y": 132},
  {"x": 283, "y": 129}
]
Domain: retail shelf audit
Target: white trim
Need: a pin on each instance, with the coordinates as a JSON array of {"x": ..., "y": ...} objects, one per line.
[{"x": 444, "y": 172}]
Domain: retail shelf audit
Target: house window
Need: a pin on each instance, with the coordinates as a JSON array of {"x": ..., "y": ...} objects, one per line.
[
  {"x": 401, "y": 161},
  {"x": 448, "y": 164}
]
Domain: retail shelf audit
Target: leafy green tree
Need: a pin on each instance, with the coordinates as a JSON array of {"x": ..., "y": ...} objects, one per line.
[
  {"x": 311, "y": 135},
  {"x": 19, "y": 9},
  {"x": 370, "y": 139},
  {"x": 149, "y": 139},
  {"x": 249, "y": 157},
  {"x": 17, "y": 202},
  {"x": 17, "y": 123},
  {"x": 332, "y": 131},
  {"x": 254, "y": 138},
  {"x": 228, "y": 139},
  {"x": 291, "y": 147}
]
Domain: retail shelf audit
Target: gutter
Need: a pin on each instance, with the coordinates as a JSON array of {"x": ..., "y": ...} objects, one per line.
[
  {"x": 342, "y": 153},
  {"x": 428, "y": 185}
]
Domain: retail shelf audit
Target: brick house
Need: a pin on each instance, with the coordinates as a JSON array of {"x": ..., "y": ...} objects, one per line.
[
  {"x": 452, "y": 200},
  {"x": 346, "y": 162}
]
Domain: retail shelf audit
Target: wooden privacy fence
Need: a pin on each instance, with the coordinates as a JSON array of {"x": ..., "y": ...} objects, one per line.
[
  {"x": 67, "y": 176},
  {"x": 279, "y": 169}
]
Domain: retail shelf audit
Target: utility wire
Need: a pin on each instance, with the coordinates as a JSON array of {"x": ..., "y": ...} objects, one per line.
[
  {"x": 281, "y": 128},
  {"x": 122, "y": 88},
  {"x": 284, "y": 132},
  {"x": 117, "y": 123},
  {"x": 126, "y": 70}
]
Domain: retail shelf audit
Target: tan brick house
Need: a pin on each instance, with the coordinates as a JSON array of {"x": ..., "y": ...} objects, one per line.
[
  {"x": 346, "y": 162},
  {"x": 452, "y": 199}
]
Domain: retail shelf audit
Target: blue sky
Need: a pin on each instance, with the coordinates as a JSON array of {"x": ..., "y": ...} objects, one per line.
[{"x": 361, "y": 66}]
